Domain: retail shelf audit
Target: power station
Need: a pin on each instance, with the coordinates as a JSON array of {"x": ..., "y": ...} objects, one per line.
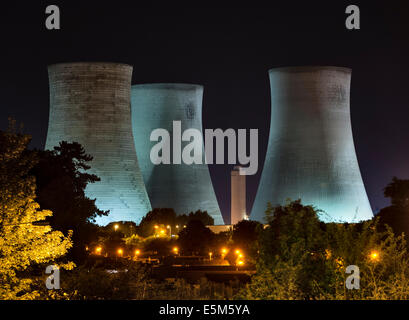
[
  {"x": 238, "y": 195},
  {"x": 311, "y": 153},
  {"x": 90, "y": 104},
  {"x": 183, "y": 187}
]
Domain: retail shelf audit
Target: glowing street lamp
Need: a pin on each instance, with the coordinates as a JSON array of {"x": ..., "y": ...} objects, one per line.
[
  {"x": 224, "y": 252},
  {"x": 120, "y": 252},
  {"x": 240, "y": 262},
  {"x": 210, "y": 256},
  {"x": 237, "y": 251},
  {"x": 162, "y": 231},
  {"x": 176, "y": 250},
  {"x": 156, "y": 226},
  {"x": 116, "y": 227},
  {"x": 98, "y": 250},
  {"x": 137, "y": 252},
  {"x": 374, "y": 255}
]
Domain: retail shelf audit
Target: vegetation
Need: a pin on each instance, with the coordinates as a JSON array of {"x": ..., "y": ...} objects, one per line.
[
  {"x": 23, "y": 243},
  {"x": 296, "y": 256},
  {"x": 303, "y": 258},
  {"x": 61, "y": 179}
]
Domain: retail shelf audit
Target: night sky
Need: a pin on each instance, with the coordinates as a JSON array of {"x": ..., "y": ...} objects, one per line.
[{"x": 228, "y": 50}]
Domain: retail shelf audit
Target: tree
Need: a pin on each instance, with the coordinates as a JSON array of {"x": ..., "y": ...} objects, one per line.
[
  {"x": 203, "y": 216},
  {"x": 62, "y": 179},
  {"x": 245, "y": 236},
  {"x": 22, "y": 242},
  {"x": 303, "y": 258},
  {"x": 397, "y": 215},
  {"x": 196, "y": 238},
  {"x": 398, "y": 191},
  {"x": 158, "y": 216}
]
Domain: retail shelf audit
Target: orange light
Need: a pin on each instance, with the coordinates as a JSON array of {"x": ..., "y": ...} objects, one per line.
[
  {"x": 156, "y": 227},
  {"x": 374, "y": 255},
  {"x": 240, "y": 263},
  {"x": 237, "y": 251},
  {"x": 120, "y": 252},
  {"x": 137, "y": 252},
  {"x": 240, "y": 255},
  {"x": 162, "y": 231},
  {"x": 175, "y": 249},
  {"x": 116, "y": 227},
  {"x": 98, "y": 250}
]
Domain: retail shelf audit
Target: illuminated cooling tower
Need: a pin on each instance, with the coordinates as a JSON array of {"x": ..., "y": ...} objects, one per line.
[
  {"x": 90, "y": 104},
  {"x": 311, "y": 152},
  {"x": 185, "y": 188}
]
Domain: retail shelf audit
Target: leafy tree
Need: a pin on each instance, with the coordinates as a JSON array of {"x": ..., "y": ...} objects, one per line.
[
  {"x": 62, "y": 179},
  {"x": 398, "y": 191},
  {"x": 158, "y": 216},
  {"x": 303, "y": 258},
  {"x": 245, "y": 236},
  {"x": 22, "y": 242},
  {"x": 196, "y": 238},
  {"x": 397, "y": 214},
  {"x": 203, "y": 216}
]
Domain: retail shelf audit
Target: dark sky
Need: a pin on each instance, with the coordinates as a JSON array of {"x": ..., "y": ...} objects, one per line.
[{"x": 229, "y": 50}]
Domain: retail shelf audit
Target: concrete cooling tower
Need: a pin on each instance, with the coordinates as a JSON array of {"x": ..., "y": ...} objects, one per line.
[
  {"x": 183, "y": 187},
  {"x": 90, "y": 104},
  {"x": 311, "y": 152}
]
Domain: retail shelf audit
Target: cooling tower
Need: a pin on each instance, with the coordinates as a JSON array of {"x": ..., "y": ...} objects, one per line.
[
  {"x": 90, "y": 104},
  {"x": 183, "y": 187},
  {"x": 311, "y": 152}
]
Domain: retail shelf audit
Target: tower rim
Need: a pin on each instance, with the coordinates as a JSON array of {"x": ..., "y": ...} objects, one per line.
[
  {"x": 168, "y": 85},
  {"x": 309, "y": 68}
]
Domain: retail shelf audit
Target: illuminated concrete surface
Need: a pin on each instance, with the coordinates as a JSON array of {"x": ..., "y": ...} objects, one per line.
[
  {"x": 185, "y": 188},
  {"x": 238, "y": 196},
  {"x": 90, "y": 104},
  {"x": 311, "y": 152}
]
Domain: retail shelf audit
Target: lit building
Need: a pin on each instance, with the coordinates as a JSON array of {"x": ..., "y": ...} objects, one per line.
[{"x": 238, "y": 195}]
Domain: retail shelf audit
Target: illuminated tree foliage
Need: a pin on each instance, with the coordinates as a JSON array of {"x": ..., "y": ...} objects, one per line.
[
  {"x": 22, "y": 241},
  {"x": 305, "y": 259}
]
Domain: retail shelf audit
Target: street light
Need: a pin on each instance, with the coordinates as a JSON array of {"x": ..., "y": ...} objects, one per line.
[
  {"x": 237, "y": 251},
  {"x": 210, "y": 255},
  {"x": 176, "y": 250},
  {"x": 374, "y": 255},
  {"x": 116, "y": 227},
  {"x": 98, "y": 250},
  {"x": 120, "y": 252},
  {"x": 137, "y": 252}
]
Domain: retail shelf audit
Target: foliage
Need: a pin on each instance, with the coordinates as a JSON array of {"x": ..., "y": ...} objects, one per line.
[
  {"x": 62, "y": 178},
  {"x": 245, "y": 236},
  {"x": 168, "y": 217},
  {"x": 397, "y": 215},
  {"x": 196, "y": 238},
  {"x": 163, "y": 216},
  {"x": 398, "y": 191},
  {"x": 303, "y": 258},
  {"x": 22, "y": 241}
]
